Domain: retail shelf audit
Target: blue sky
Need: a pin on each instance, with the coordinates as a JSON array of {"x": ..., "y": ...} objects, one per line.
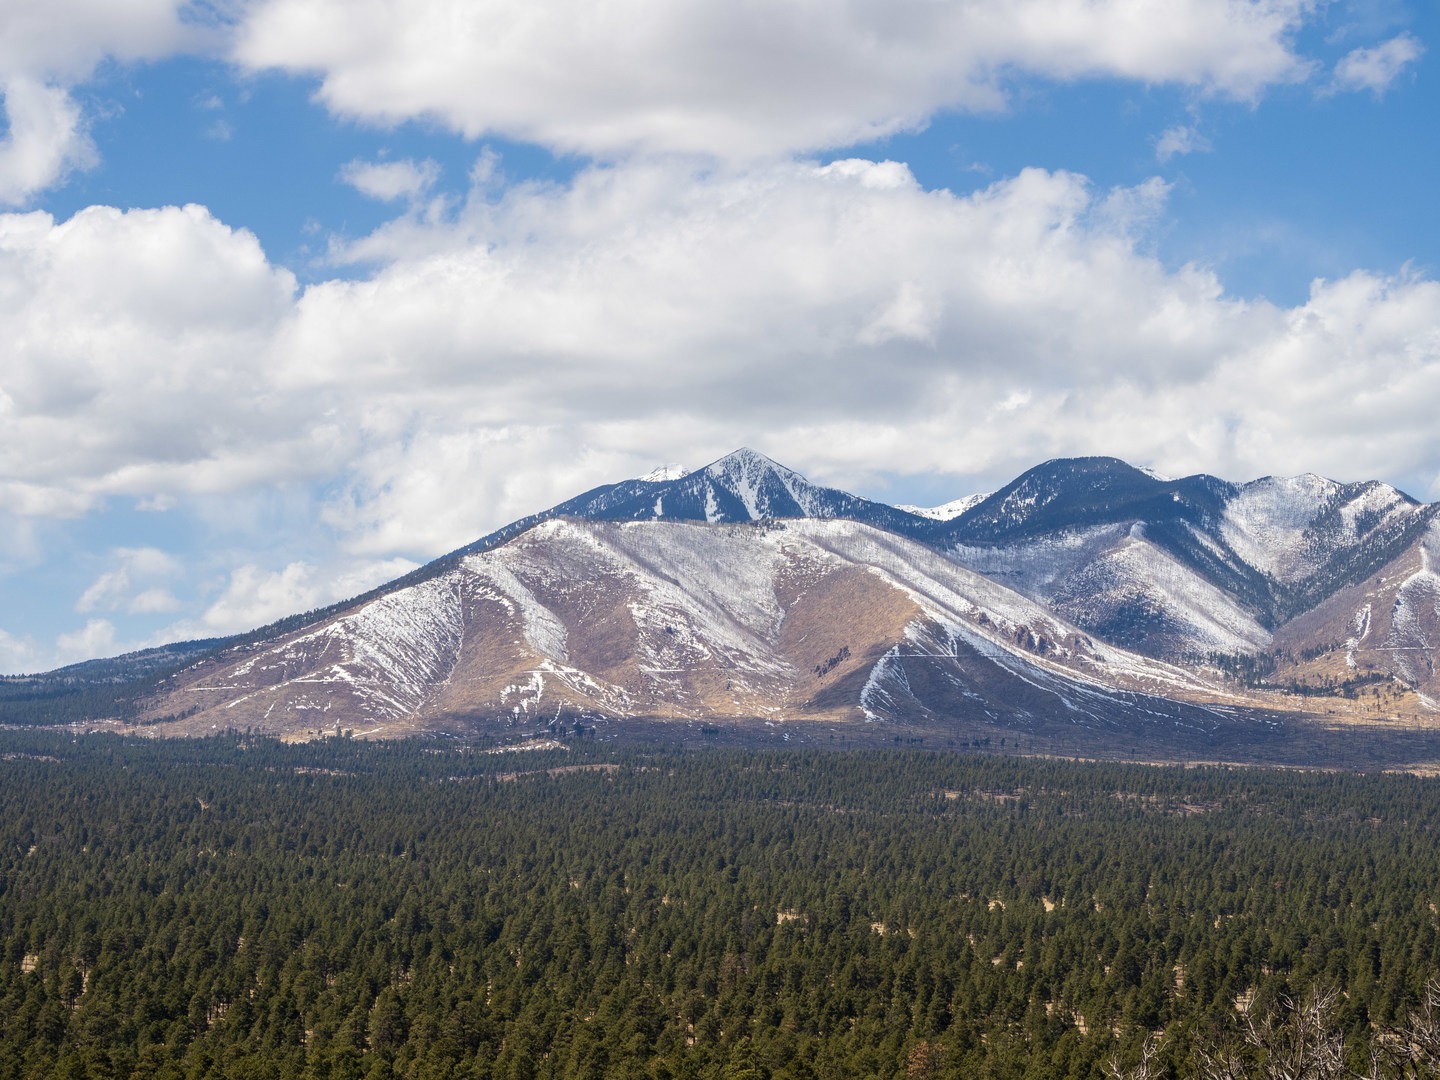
[{"x": 299, "y": 294}]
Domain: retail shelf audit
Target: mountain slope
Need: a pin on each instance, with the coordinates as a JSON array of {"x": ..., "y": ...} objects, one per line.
[
  {"x": 600, "y": 622},
  {"x": 1181, "y": 568},
  {"x": 1085, "y": 597},
  {"x": 1375, "y": 640}
]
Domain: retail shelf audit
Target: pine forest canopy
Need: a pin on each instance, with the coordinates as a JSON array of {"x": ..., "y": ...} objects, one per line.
[{"x": 239, "y": 907}]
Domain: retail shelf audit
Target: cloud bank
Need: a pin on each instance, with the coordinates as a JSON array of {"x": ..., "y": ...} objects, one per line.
[
  {"x": 741, "y": 81},
  {"x": 839, "y": 316}
]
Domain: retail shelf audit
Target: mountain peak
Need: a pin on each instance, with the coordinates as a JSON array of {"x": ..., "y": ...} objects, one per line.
[
  {"x": 742, "y": 486},
  {"x": 946, "y": 511},
  {"x": 747, "y": 460},
  {"x": 763, "y": 487},
  {"x": 1084, "y": 491},
  {"x": 662, "y": 473},
  {"x": 1098, "y": 470}
]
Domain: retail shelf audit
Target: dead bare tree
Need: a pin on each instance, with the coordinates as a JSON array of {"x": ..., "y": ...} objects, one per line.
[
  {"x": 1413, "y": 1049},
  {"x": 1302, "y": 1041},
  {"x": 1297, "y": 1042},
  {"x": 1148, "y": 1067}
]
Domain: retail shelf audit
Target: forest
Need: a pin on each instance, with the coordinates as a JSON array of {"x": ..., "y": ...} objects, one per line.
[{"x": 241, "y": 908}]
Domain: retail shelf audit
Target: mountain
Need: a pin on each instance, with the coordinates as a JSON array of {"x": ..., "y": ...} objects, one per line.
[
  {"x": 1181, "y": 569},
  {"x": 94, "y": 688},
  {"x": 743, "y": 486},
  {"x": 1376, "y": 634},
  {"x": 599, "y": 623},
  {"x": 1087, "y": 607}
]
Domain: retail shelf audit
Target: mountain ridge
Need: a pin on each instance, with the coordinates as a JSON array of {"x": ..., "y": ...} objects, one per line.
[{"x": 1249, "y": 597}]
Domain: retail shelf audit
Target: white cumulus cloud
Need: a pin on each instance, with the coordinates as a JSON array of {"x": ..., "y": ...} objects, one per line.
[
  {"x": 96, "y": 638},
  {"x": 136, "y": 350},
  {"x": 46, "y": 139},
  {"x": 548, "y": 338},
  {"x": 133, "y": 583},
  {"x": 47, "y": 47},
  {"x": 1376, "y": 68},
  {"x": 1180, "y": 140},
  {"x": 19, "y": 655},
  {"x": 388, "y": 180},
  {"x": 255, "y": 596},
  {"x": 744, "y": 80}
]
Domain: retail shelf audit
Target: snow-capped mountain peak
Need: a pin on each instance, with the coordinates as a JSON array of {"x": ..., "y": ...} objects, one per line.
[
  {"x": 741, "y": 486},
  {"x": 766, "y": 488},
  {"x": 946, "y": 511},
  {"x": 662, "y": 473}
]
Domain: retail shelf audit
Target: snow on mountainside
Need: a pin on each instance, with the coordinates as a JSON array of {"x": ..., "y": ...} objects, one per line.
[
  {"x": 1086, "y": 592},
  {"x": 764, "y": 489},
  {"x": 378, "y": 661},
  {"x": 820, "y": 620},
  {"x": 1177, "y": 569},
  {"x": 946, "y": 511},
  {"x": 1265, "y": 522},
  {"x": 1181, "y": 569},
  {"x": 1289, "y": 527},
  {"x": 1414, "y": 634},
  {"x": 1076, "y": 492},
  {"x": 1128, "y": 555},
  {"x": 1375, "y": 639},
  {"x": 1113, "y": 581},
  {"x": 742, "y": 486}
]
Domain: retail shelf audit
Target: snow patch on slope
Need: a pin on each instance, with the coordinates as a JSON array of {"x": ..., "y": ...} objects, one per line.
[
  {"x": 543, "y": 631},
  {"x": 1138, "y": 571},
  {"x": 1037, "y": 567},
  {"x": 1290, "y": 527},
  {"x": 1087, "y": 572},
  {"x": 876, "y": 700},
  {"x": 715, "y": 596},
  {"x": 955, "y": 597},
  {"x": 1376, "y": 502},
  {"x": 1414, "y": 636},
  {"x": 407, "y": 640},
  {"x": 1361, "y": 630},
  {"x": 1265, "y": 522},
  {"x": 388, "y": 654},
  {"x": 946, "y": 511}
]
